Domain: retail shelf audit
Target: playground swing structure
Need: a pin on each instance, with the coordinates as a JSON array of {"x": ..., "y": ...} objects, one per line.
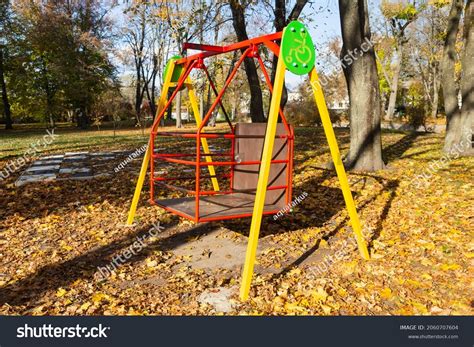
[{"x": 259, "y": 161}]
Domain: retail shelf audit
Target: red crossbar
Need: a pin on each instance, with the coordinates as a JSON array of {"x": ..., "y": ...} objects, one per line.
[
  {"x": 216, "y": 135},
  {"x": 215, "y": 50},
  {"x": 218, "y": 163}
]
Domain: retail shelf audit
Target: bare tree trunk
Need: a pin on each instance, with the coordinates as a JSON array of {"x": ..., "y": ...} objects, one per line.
[
  {"x": 467, "y": 80},
  {"x": 279, "y": 23},
  {"x": 256, "y": 99},
  {"x": 435, "y": 99},
  {"x": 6, "y": 103},
  {"x": 138, "y": 99},
  {"x": 178, "y": 110},
  {"x": 138, "y": 56},
  {"x": 394, "y": 84},
  {"x": 201, "y": 106},
  {"x": 365, "y": 151},
  {"x": 49, "y": 93},
  {"x": 153, "y": 87},
  {"x": 450, "y": 89}
]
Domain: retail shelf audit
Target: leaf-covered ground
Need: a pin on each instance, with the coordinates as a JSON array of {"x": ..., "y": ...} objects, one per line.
[{"x": 55, "y": 236}]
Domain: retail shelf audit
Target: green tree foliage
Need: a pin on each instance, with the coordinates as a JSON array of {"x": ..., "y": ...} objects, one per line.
[{"x": 59, "y": 59}]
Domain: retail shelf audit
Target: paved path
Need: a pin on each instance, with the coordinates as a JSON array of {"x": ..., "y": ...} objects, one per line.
[{"x": 73, "y": 165}]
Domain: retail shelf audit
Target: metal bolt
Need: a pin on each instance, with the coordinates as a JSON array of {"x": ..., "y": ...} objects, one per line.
[
  {"x": 293, "y": 30},
  {"x": 305, "y": 65},
  {"x": 295, "y": 65},
  {"x": 302, "y": 30}
]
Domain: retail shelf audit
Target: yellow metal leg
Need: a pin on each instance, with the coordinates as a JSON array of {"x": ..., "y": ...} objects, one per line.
[
  {"x": 336, "y": 156},
  {"x": 262, "y": 181},
  {"x": 138, "y": 188},
  {"x": 146, "y": 158},
  {"x": 205, "y": 146}
]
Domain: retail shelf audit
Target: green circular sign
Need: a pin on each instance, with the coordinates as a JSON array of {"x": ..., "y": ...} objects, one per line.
[
  {"x": 178, "y": 69},
  {"x": 297, "y": 48}
]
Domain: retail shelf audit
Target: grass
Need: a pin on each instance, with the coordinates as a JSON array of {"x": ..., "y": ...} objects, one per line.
[{"x": 16, "y": 143}]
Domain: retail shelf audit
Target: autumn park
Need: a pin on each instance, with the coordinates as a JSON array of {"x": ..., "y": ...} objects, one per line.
[{"x": 237, "y": 158}]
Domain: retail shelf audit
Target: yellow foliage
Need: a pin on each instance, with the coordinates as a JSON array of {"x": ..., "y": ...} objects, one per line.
[
  {"x": 447, "y": 267},
  {"x": 61, "y": 292},
  {"x": 386, "y": 293}
]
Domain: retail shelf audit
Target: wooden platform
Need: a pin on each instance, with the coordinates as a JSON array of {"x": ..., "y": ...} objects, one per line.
[{"x": 231, "y": 206}]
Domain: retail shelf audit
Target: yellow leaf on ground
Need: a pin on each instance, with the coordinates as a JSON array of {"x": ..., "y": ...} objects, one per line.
[
  {"x": 151, "y": 263},
  {"x": 326, "y": 309},
  {"x": 426, "y": 277},
  {"x": 420, "y": 307},
  {"x": 386, "y": 293},
  {"x": 98, "y": 297},
  {"x": 294, "y": 308},
  {"x": 319, "y": 294},
  {"x": 413, "y": 283},
  {"x": 342, "y": 292},
  {"x": 85, "y": 306},
  {"x": 323, "y": 243},
  {"x": 447, "y": 267},
  {"x": 61, "y": 292},
  {"x": 426, "y": 262},
  {"x": 429, "y": 246}
]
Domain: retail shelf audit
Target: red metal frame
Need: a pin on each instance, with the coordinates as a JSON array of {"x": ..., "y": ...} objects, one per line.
[{"x": 196, "y": 61}]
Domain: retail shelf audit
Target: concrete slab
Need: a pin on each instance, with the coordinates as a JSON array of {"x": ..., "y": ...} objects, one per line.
[
  {"x": 24, "y": 179},
  {"x": 75, "y": 158},
  {"x": 42, "y": 168},
  {"x": 219, "y": 298},
  {"x": 74, "y": 170},
  {"x": 47, "y": 162},
  {"x": 57, "y": 156},
  {"x": 75, "y": 153}
]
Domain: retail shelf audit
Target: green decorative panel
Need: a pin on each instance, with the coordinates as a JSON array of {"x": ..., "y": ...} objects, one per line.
[
  {"x": 297, "y": 49},
  {"x": 178, "y": 70}
]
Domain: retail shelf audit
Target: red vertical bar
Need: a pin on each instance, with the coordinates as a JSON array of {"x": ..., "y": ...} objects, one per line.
[
  {"x": 232, "y": 153},
  {"x": 198, "y": 175},
  {"x": 291, "y": 142},
  {"x": 152, "y": 167}
]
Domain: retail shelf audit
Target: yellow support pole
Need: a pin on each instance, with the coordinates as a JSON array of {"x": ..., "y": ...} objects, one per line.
[
  {"x": 146, "y": 158},
  {"x": 336, "y": 156},
  {"x": 205, "y": 146},
  {"x": 262, "y": 181}
]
